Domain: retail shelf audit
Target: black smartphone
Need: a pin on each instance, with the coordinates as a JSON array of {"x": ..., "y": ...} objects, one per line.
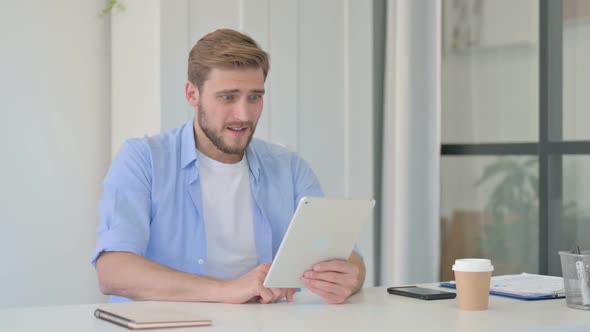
[{"x": 421, "y": 293}]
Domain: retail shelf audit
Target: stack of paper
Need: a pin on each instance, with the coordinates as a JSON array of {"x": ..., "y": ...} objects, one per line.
[{"x": 524, "y": 286}]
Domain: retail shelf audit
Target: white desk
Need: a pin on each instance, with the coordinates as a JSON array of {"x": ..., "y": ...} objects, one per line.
[{"x": 372, "y": 309}]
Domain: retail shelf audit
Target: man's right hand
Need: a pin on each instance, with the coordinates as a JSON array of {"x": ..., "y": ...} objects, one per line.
[{"x": 249, "y": 288}]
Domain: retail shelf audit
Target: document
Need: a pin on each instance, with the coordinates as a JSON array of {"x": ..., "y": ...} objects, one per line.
[
  {"x": 150, "y": 315},
  {"x": 524, "y": 286}
]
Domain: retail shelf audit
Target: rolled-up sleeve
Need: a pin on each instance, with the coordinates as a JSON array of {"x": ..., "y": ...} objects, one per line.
[
  {"x": 306, "y": 182},
  {"x": 125, "y": 207}
]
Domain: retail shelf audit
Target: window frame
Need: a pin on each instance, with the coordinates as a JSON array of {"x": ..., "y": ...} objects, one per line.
[{"x": 550, "y": 148}]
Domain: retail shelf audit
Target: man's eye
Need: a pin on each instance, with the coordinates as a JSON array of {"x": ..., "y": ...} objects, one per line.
[
  {"x": 255, "y": 97},
  {"x": 227, "y": 97}
]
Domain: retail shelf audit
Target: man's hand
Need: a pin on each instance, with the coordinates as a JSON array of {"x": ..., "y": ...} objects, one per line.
[
  {"x": 249, "y": 288},
  {"x": 336, "y": 280}
]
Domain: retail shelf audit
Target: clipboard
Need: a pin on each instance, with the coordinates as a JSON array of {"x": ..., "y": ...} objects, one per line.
[{"x": 524, "y": 286}]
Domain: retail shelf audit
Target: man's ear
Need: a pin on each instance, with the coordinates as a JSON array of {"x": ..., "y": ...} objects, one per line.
[{"x": 191, "y": 93}]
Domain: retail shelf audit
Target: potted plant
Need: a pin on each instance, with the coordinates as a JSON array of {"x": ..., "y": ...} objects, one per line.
[
  {"x": 511, "y": 238},
  {"x": 111, "y": 5}
]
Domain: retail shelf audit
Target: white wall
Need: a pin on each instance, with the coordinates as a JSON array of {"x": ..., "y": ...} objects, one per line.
[
  {"x": 55, "y": 143},
  {"x": 135, "y": 75},
  {"x": 319, "y": 98}
]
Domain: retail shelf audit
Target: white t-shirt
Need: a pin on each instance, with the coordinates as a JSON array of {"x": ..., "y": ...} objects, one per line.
[{"x": 227, "y": 213}]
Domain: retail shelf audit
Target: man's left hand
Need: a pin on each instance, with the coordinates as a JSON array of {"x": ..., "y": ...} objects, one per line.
[{"x": 334, "y": 281}]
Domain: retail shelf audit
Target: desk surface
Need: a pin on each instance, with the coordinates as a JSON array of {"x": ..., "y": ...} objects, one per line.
[{"x": 372, "y": 309}]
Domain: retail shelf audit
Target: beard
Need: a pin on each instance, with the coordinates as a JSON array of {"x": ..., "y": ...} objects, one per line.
[{"x": 215, "y": 136}]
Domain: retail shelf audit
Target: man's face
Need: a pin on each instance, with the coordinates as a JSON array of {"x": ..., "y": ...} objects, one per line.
[{"x": 229, "y": 106}]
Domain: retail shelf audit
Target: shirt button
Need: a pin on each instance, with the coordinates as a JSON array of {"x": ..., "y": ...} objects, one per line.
[{"x": 201, "y": 261}]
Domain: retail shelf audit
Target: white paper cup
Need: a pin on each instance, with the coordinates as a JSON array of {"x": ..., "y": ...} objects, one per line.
[{"x": 473, "y": 276}]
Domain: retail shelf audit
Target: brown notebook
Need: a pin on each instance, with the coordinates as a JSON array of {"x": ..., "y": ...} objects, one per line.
[{"x": 150, "y": 315}]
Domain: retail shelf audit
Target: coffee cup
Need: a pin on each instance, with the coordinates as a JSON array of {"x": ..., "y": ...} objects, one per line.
[{"x": 473, "y": 276}]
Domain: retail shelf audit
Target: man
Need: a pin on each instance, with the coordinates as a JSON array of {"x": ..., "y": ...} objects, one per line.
[{"x": 198, "y": 213}]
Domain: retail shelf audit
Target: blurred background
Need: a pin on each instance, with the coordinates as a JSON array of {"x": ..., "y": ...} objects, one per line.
[
  {"x": 515, "y": 182},
  {"x": 465, "y": 119}
]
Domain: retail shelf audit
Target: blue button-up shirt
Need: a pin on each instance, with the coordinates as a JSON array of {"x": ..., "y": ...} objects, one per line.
[{"x": 151, "y": 204}]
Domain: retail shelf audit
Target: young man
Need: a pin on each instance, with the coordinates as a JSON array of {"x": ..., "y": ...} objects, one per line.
[{"x": 198, "y": 213}]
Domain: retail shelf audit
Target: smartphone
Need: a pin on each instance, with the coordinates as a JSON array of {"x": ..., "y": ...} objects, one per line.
[{"x": 421, "y": 293}]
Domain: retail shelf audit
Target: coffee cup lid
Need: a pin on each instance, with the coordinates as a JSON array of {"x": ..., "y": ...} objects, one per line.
[{"x": 473, "y": 265}]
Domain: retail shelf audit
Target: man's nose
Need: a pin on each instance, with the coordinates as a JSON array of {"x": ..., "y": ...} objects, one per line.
[{"x": 241, "y": 110}]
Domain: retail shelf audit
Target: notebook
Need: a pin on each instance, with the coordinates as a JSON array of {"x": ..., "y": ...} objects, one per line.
[
  {"x": 524, "y": 286},
  {"x": 150, "y": 315}
]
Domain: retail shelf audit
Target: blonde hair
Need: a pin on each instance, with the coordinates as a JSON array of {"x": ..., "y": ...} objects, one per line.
[{"x": 224, "y": 48}]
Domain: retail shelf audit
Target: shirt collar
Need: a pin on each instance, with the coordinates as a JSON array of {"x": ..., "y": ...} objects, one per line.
[
  {"x": 189, "y": 150},
  {"x": 253, "y": 161}
]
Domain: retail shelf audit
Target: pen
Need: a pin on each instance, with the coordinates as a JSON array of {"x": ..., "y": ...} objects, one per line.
[{"x": 582, "y": 279}]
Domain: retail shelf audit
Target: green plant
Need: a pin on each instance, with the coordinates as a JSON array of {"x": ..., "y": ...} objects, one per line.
[
  {"x": 111, "y": 5},
  {"x": 512, "y": 236}
]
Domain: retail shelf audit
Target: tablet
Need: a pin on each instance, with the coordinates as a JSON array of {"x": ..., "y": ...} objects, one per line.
[{"x": 321, "y": 229}]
